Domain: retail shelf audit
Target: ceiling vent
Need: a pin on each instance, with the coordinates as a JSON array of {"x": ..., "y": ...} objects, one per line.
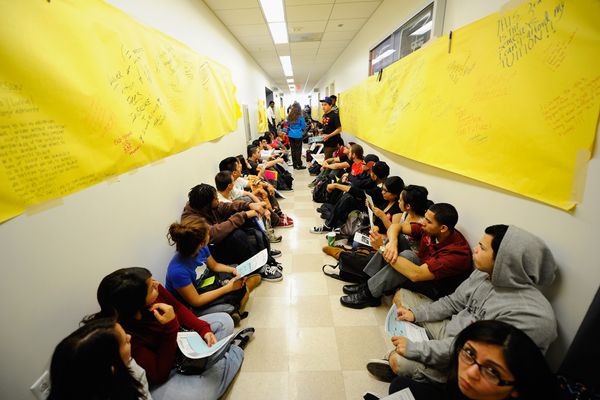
[{"x": 305, "y": 37}]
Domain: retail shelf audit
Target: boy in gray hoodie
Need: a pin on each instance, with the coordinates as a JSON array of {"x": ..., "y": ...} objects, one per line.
[{"x": 510, "y": 263}]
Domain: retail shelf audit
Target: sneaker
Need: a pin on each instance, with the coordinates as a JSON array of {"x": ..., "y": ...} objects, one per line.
[
  {"x": 285, "y": 222},
  {"x": 320, "y": 229},
  {"x": 270, "y": 273},
  {"x": 312, "y": 184},
  {"x": 242, "y": 338},
  {"x": 273, "y": 238},
  {"x": 381, "y": 370},
  {"x": 275, "y": 253},
  {"x": 277, "y": 265},
  {"x": 300, "y": 167}
]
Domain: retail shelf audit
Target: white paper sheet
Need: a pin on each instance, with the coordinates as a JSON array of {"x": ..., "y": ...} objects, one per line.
[
  {"x": 253, "y": 263},
  {"x": 193, "y": 346},
  {"x": 393, "y": 327}
]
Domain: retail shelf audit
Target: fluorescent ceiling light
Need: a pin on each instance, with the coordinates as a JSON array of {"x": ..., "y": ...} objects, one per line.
[
  {"x": 382, "y": 56},
  {"x": 279, "y": 32},
  {"x": 290, "y": 80},
  {"x": 286, "y": 63},
  {"x": 425, "y": 28},
  {"x": 273, "y": 10}
]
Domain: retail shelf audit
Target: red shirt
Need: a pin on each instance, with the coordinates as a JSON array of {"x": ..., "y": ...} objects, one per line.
[
  {"x": 153, "y": 346},
  {"x": 449, "y": 261}
]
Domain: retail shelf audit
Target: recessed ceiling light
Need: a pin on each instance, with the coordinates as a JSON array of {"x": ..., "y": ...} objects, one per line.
[
  {"x": 286, "y": 63},
  {"x": 273, "y": 10},
  {"x": 279, "y": 32}
]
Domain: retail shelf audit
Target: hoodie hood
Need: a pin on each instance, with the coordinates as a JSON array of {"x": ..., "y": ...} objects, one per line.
[{"x": 523, "y": 260}]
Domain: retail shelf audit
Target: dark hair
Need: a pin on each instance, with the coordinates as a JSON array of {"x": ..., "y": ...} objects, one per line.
[
  {"x": 533, "y": 378},
  {"x": 333, "y": 96},
  {"x": 123, "y": 292},
  {"x": 497, "y": 232},
  {"x": 416, "y": 197},
  {"x": 188, "y": 236},
  {"x": 295, "y": 113},
  {"x": 201, "y": 196},
  {"x": 228, "y": 164},
  {"x": 381, "y": 169},
  {"x": 394, "y": 185},
  {"x": 445, "y": 214},
  {"x": 222, "y": 180},
  {"x": 358, "y": 151},
  {"x": 251, "y": 149},
  {"x": 264, "y": 137},
  {"x": 271, "y": 102},
  {"x": 87, "y": 364},
  {"x": 242, "y": 161}
]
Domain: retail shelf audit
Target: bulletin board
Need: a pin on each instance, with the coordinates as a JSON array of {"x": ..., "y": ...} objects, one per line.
[
  {"x": 511, "y": 100},
  {"x": 87, "y": 93}
]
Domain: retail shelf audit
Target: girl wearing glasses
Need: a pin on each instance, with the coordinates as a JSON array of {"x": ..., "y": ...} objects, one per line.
[{"x": 490, "y": 360}]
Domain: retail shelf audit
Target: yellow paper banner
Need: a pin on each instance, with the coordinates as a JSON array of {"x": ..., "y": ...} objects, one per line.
[
  {"x": 87, "y": 93},
  {"x": 512, "y": 101},
  {"x": 263, "y": 124}
]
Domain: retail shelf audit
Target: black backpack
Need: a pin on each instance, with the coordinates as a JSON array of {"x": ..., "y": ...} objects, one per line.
[
  {"x": 284, "y": 178},
  {"x": 351, "y": 265},
  {"x": 319, "y": 193}
]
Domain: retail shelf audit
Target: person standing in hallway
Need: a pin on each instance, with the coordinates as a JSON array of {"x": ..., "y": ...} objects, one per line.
[
  {"x": 332, "y": 127},
  {"x": 271, "y": 118},
  {"x": 296, "y": 124}
]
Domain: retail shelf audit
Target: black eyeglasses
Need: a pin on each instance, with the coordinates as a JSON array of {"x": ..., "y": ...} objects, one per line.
[{"x": 490, "y": 374}]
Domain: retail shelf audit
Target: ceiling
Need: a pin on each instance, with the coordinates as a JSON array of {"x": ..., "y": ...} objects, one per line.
[{"x": 318, "y": 30}]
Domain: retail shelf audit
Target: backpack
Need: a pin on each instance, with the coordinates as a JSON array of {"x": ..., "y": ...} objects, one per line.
[
  {"x": 351, "y": 265},
  {"x": 284, "y": 178},
  {"x": 356, "y": 221},
  {"x": 319, "y": 193}
]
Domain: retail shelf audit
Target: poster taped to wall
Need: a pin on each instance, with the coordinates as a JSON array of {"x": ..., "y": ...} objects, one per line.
[
  {"x": 513, "y": 101},
  {"x": 87, "y": 93}
]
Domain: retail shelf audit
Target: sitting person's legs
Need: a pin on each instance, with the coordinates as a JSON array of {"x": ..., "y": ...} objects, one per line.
[
  {"x": 234, "y": 249},
  {"x": 387, "y": 278},
  {"x": 435, "y": 330}
]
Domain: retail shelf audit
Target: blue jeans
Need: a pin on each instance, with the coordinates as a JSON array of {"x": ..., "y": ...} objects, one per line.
[{"x": 220, "y": 370}]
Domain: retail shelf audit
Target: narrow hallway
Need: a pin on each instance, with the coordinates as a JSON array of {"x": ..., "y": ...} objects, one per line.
[{"x": 306, "y": 345}]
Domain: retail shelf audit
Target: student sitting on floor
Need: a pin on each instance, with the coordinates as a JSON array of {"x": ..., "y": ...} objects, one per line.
[
  {"x": 442, "y": 263},
  {"x": 261, "y": 190},
  {"x": 196, "y": 279},
  {"x": 94, "y": 362},
  {"x": 152, "y": 316},
  {"x": 352, "y": 196},
  {"x": 227, "y": 192},
  {"x": 490, "y": 360},
  {"x": 510, "y": 264},
  {"x": 234, "y": 234},
  {"x": 413, "y": 203}
]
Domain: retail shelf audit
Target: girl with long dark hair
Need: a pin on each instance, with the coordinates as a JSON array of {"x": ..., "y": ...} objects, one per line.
[
  {"x": 94, "y": 362},
  {"x": 296, "y": 124},
  {"x": 152, "y": 316}
]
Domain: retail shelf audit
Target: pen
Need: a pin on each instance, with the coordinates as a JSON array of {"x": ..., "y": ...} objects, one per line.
[{"x": 449, "y": 42}]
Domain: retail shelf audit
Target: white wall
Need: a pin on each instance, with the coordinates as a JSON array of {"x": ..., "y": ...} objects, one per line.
[
  {"x": 571, "y": 236},
  {"x": 52, "y": 261}
]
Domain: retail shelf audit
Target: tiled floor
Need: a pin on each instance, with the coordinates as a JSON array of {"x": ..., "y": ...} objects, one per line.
[{"x": 306, "y": 345}]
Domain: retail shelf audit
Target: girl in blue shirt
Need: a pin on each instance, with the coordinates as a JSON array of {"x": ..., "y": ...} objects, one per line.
[{"x": 197, "y": 279}]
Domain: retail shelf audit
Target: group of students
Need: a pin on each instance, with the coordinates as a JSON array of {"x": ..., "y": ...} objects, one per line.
[
  {"x": 487, "y": 322},
  {"x": 128, "y": 350}
]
